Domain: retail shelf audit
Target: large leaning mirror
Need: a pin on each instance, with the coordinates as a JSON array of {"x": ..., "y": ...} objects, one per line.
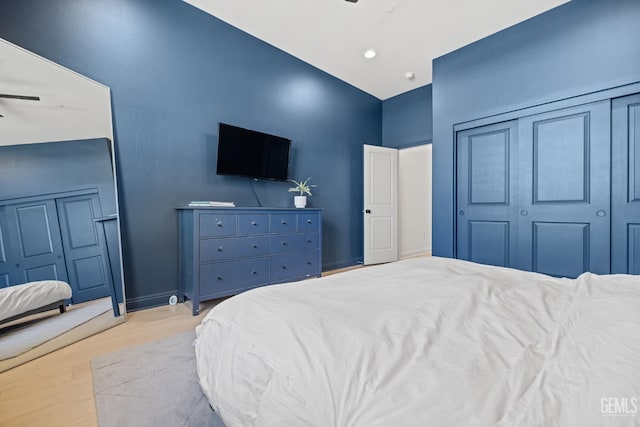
[{"x": 60, "y": 259}]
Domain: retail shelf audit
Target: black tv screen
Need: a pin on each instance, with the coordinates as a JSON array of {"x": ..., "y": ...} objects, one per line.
[{"x": 252, "y": 154}]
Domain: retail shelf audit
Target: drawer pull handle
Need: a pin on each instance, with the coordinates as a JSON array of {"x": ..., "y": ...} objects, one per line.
[
  {"x": 284, "y": 243},
  {"x": 254, "y": 223},
  {"x": 308, "y": 240},
  {"x": 255, "y": 246},
  {"x": 284, "y": 267},
  {"x": 308, "y": 221},
  {"x": 219, "y": 223},
  {"x": 220, "y": 249},
  {"x": 284, "y": 222},
  {"x": 254, "y": 272},
  {"x": 219, "y": 278},
  {"x": 308, "y": 262}
]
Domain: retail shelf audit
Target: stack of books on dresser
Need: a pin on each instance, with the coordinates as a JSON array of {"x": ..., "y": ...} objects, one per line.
[{"x": 199, "y": 203}]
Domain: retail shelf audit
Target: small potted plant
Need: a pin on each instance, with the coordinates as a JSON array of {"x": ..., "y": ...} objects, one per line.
[{"x": 302, "y": 187}]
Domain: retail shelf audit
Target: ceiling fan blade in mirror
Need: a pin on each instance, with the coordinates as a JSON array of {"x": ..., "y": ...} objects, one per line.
[{"x": 23, "y": 97}]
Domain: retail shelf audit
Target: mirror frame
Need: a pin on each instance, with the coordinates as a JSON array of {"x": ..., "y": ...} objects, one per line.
[{"x": 82, "y": 113}]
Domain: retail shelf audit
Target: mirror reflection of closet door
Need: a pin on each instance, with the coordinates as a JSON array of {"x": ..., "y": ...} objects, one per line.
[
  {"x": 57, "y": 239},
  {"x": 37, "y": 253},
  {"x": 84, "y": 247}
]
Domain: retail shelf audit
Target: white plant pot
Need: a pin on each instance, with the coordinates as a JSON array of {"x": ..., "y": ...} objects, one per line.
[{"x": 300, "y": 201}]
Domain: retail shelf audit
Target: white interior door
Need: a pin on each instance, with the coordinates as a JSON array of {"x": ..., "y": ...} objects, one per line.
[{"x": 380, "y": 204}]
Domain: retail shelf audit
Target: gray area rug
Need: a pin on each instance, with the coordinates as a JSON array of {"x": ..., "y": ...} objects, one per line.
[{"x": 153, "y": 384}]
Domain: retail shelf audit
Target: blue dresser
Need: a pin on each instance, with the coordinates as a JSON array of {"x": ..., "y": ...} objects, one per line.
[{"x": 224, "y": 251}]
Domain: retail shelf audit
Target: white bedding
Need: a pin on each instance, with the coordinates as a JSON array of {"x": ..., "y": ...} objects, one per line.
[
  {"x": 425, "y": 342},
  {"x": 15, "y": 300}
]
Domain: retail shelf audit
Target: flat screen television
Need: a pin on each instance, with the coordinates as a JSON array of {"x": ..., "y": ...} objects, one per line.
[{"x": 252, "y": 154}]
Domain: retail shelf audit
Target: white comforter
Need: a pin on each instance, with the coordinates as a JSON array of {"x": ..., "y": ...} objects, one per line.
[
  {"x": 426, "y": 342},
  {"x": 18, "y": 299}
]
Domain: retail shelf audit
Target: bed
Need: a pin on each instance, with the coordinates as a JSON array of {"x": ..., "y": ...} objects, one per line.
[
  {"x": 426, "y": 342},
  {"x": 30, "y": 298}
]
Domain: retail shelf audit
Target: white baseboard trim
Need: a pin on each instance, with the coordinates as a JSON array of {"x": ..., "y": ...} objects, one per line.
[{"x": 415, "y": 252}]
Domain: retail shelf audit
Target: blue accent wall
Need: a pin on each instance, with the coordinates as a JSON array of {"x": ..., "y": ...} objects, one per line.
[
  {"x": 580, "y": 47},
  {"x": 407, "y": 119},
  {"x": 174, "y": 73}
]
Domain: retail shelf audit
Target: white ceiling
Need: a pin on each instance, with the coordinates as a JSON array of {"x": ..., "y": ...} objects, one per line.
[
  {"x": 71, "y": 106},
  {"x": 407, "y": 35}
]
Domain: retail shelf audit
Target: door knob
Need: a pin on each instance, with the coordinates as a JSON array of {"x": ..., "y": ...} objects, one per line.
[
  {"x": 367, "y": 211},
  {"x": 601, "y": 213}
]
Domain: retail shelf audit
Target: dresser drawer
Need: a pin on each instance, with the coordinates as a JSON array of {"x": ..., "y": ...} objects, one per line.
[
  {"x": 291, "y": 266},
  {"x": 217, "y": 225},
  {"x": 253, "y": 224},
  {"x": 308, "y": 221},
  {"x": 283, "y": 223},
  {"x": 224, "y": 276},
  {"x": 293, "y": 242},
  {"x": 233, "y": 247}
]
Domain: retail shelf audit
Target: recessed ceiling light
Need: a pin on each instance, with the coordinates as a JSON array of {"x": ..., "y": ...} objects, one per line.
[
  {"x": 369, "y": 53},
  {"x": 409, "y": 75}
]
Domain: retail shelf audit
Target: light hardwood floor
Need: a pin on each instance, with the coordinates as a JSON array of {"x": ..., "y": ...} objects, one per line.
[{"x": 57, "y": 389}]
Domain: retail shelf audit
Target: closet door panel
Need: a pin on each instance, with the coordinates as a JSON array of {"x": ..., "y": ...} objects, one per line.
[
  {"x": 486, "y": 169},
  {"x": 561, "y": 159},
  {"x": 625, "y": 172},
  {"x": 632, "y": 258},
  {"x": 489, "y": 242},
  {"x": 569, "y": 239},
  {"x": 86, "y": 256},
  {"x": 37, "y": 252},
  {"x": 564, "y": 197}
]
